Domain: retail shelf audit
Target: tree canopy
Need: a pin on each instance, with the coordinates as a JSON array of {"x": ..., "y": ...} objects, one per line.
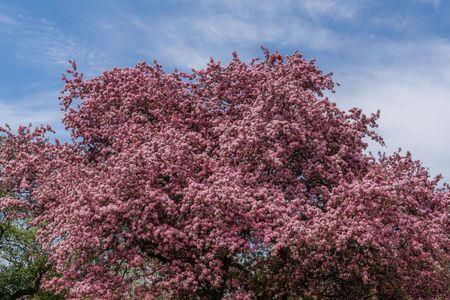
[
  {"x": 235, "y": 181},
  {"x": 23, "y": 262}
]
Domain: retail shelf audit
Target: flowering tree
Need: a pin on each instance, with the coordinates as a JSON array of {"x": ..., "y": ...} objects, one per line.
[
  {"x": 23, "y": 263},
  {"x": 240, "y": 181}
]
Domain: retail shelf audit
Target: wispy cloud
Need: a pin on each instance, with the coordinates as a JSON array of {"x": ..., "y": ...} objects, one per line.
[
  {"x": 39, "y": 42},
  {"x": 409, "y": 83},
  {"x": 36, "y": 108},
  {"x": 336, "y": 9},
  {"x": 219, "y": 28},
  {"x": 435, "y": 3}
]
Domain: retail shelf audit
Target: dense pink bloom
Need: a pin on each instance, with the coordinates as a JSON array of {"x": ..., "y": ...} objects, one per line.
[{"x": 239, "y": 182}]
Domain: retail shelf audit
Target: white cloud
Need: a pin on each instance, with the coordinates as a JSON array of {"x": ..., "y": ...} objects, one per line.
[
  {"x": 334, "y": 9},
  {"x": 337, "y": 9},
  {"x": 38, "y": 42},
  {"x": 411, "y": 88},
  {"x": 221, "y": 28},
  {"x": 435, "y": 3},
  {"x": 36, "y": 108}
]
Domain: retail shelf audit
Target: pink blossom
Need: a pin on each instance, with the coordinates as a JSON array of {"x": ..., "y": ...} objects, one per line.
[{"x": 235, "y": 181}]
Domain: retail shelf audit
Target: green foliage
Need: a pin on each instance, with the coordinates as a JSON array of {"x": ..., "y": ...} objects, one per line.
[{"x": 23, "y": 263}]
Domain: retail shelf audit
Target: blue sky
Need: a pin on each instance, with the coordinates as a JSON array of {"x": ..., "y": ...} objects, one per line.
[{"x": 392, "y": 55}]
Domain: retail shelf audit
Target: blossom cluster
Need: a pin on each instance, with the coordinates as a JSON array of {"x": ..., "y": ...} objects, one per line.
[{"x": 236, "y": 181}]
